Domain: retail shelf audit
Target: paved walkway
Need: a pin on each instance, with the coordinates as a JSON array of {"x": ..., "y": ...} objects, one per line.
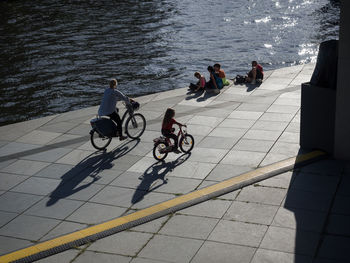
[{"x": 53, "y": 182}]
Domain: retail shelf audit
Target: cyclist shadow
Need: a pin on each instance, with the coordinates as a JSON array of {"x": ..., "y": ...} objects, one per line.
[
  {"x": 156, "y": 171},
  {"x": 73, "y": 181}
]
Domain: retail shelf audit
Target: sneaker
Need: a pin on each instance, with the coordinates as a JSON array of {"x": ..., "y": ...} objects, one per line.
[
  {"x": 122, "y": 138},
  {"x": 177, "y": 151},
  {"x": 168, "y": 148}
]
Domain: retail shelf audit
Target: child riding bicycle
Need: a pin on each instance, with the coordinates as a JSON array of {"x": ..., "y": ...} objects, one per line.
[{"x": 167, "y": 127}]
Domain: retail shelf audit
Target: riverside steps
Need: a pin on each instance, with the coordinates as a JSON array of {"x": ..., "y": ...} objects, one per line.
[{"x": 53, "y": 183}]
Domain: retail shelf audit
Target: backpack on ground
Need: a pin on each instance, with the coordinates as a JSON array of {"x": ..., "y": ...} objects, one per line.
[{"x": 239, "y": 79}]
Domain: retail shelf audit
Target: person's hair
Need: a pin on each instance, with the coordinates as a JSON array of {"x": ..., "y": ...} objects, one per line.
[
  {"x": 113, "y": 83},
  {"x": 197, "y": 74},
  {"x": 211, "y": 69},
  {"x": 254, "y": 63},
  {"x": 170, "y": 113},
  {"x": 217, "y": 65}
]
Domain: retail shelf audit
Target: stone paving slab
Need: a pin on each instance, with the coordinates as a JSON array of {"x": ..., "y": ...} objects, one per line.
[
  {"x": 17, "y": 202},
  {"x": 264, "y": 255},
  {"x": 28, "y": 227},
  {"x": 182, "y": 249},
  {"x": 251, "y": 213},
  {"x": 283, "y": 239},
  {"x": 61, "y": 210},
  {"x": 220, "y": 252},
  {"x": 238, "y": 233},
  {"x": 153, "y": 226},
  {"x": 120, "y": 244},
  {"x": 189, "y": 226},
  {"x": 65, "y": 227},
  {"x": 91, "y": 257},
  {"x": 53, "y": 182}
]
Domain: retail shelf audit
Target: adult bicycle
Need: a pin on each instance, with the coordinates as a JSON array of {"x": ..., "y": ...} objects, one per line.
[{"x": 104, "y": 129}]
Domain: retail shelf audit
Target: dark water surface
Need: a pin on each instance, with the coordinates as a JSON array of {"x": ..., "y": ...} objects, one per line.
[{"x": 58, "y": 56}]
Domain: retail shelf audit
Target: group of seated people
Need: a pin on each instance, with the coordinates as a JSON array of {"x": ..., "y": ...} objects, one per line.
[{"x": 218, "y": 79}]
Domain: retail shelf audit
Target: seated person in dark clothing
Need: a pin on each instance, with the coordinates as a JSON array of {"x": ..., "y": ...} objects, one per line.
[
  {"x": 215, "y": 82},
  {"x": 200, "y": 84},
  {"x": 256, "y": 74},
  {"x": 221, "y": 73}
]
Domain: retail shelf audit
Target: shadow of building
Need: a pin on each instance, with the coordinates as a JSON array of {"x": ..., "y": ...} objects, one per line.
[{"x": 313, "y": 222}]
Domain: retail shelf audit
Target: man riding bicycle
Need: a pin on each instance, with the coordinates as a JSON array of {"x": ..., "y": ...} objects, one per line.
[{"x": 108, "y": 105}]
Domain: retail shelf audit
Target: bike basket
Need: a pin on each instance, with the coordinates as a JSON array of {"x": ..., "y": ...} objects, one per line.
[
  {"x": 135, "y": 105},
  {"x": 104, "y": 126}
]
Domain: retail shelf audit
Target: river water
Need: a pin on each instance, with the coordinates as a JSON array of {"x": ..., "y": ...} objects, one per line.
[{"x": 58, "y": 56}]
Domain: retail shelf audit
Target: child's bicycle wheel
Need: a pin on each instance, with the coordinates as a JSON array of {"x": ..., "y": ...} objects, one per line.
[
  {"x": 186, "y": 143},
  {"x": 159, "y": 151}
]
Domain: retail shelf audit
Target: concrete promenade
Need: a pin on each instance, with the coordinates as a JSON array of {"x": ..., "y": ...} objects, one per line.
[{"x": 52, "y": 182}]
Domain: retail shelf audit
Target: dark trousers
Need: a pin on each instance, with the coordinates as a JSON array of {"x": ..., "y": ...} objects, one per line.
[
  {"x": 116, "y": 118},
  {"x": 193, "y": 86},
  {"x": 171, "y": 135},
  {"x": 210, "y": 85}
]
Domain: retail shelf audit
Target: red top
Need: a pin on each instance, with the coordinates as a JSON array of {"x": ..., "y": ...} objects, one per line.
[
  {"x": 169, "y": 125},
  {"x": 259, "y": 67}
]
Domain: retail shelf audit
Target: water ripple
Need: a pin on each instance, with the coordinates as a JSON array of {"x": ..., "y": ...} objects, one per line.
[{"x": 58, "y": 55}]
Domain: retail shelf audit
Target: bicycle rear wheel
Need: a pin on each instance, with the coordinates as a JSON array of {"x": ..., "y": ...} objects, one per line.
[
  {"x": 159, "y": 152},
  {"x": 186, "y": 143},
  {"x": 99, "y": 141},
  {"x": 135, "y": 125}
]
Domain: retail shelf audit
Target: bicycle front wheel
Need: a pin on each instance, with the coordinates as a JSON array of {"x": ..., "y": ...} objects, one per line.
[
  {"x": 99, "y": 141},
  {"x": 186, "y": 143},
  {"x": 135, "y": 125}
]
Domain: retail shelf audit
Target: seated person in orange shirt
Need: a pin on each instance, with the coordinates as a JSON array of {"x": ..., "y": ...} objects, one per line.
[{"x": 221, "y": 73}]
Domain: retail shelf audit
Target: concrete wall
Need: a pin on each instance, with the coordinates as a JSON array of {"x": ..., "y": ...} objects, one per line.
[{"x": 342, "y": 119}]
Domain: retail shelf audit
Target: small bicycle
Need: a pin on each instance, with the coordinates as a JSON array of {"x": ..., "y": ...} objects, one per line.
[
  {"x": 103, "y": 128},
  {"x": 163, "y": 145}
]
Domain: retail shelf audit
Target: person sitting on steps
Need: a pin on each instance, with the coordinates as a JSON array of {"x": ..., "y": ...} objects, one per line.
[
  {"x": 256, "y": 74},
  {"x": 221, "y": 73},
  {"x": 200, "y": 84},
  {"x": 214, "y": 83},
  {"x": 108, "y": 105}
]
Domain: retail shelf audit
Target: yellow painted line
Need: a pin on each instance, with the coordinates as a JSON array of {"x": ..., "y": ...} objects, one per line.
[{"x": 65, "y": 239}]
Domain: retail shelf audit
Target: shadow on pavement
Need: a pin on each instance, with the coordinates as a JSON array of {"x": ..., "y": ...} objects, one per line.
[
  {"x": 191, "y": 94},
  {"x": 91, "y": 166},
  {"x": 198, "y": 95},
  {"x": 250, "y": 87},
  {"x": 156, "y": 171},
  {"x": 314, "y": 220},
  {"x": 207, "y": 95}
]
